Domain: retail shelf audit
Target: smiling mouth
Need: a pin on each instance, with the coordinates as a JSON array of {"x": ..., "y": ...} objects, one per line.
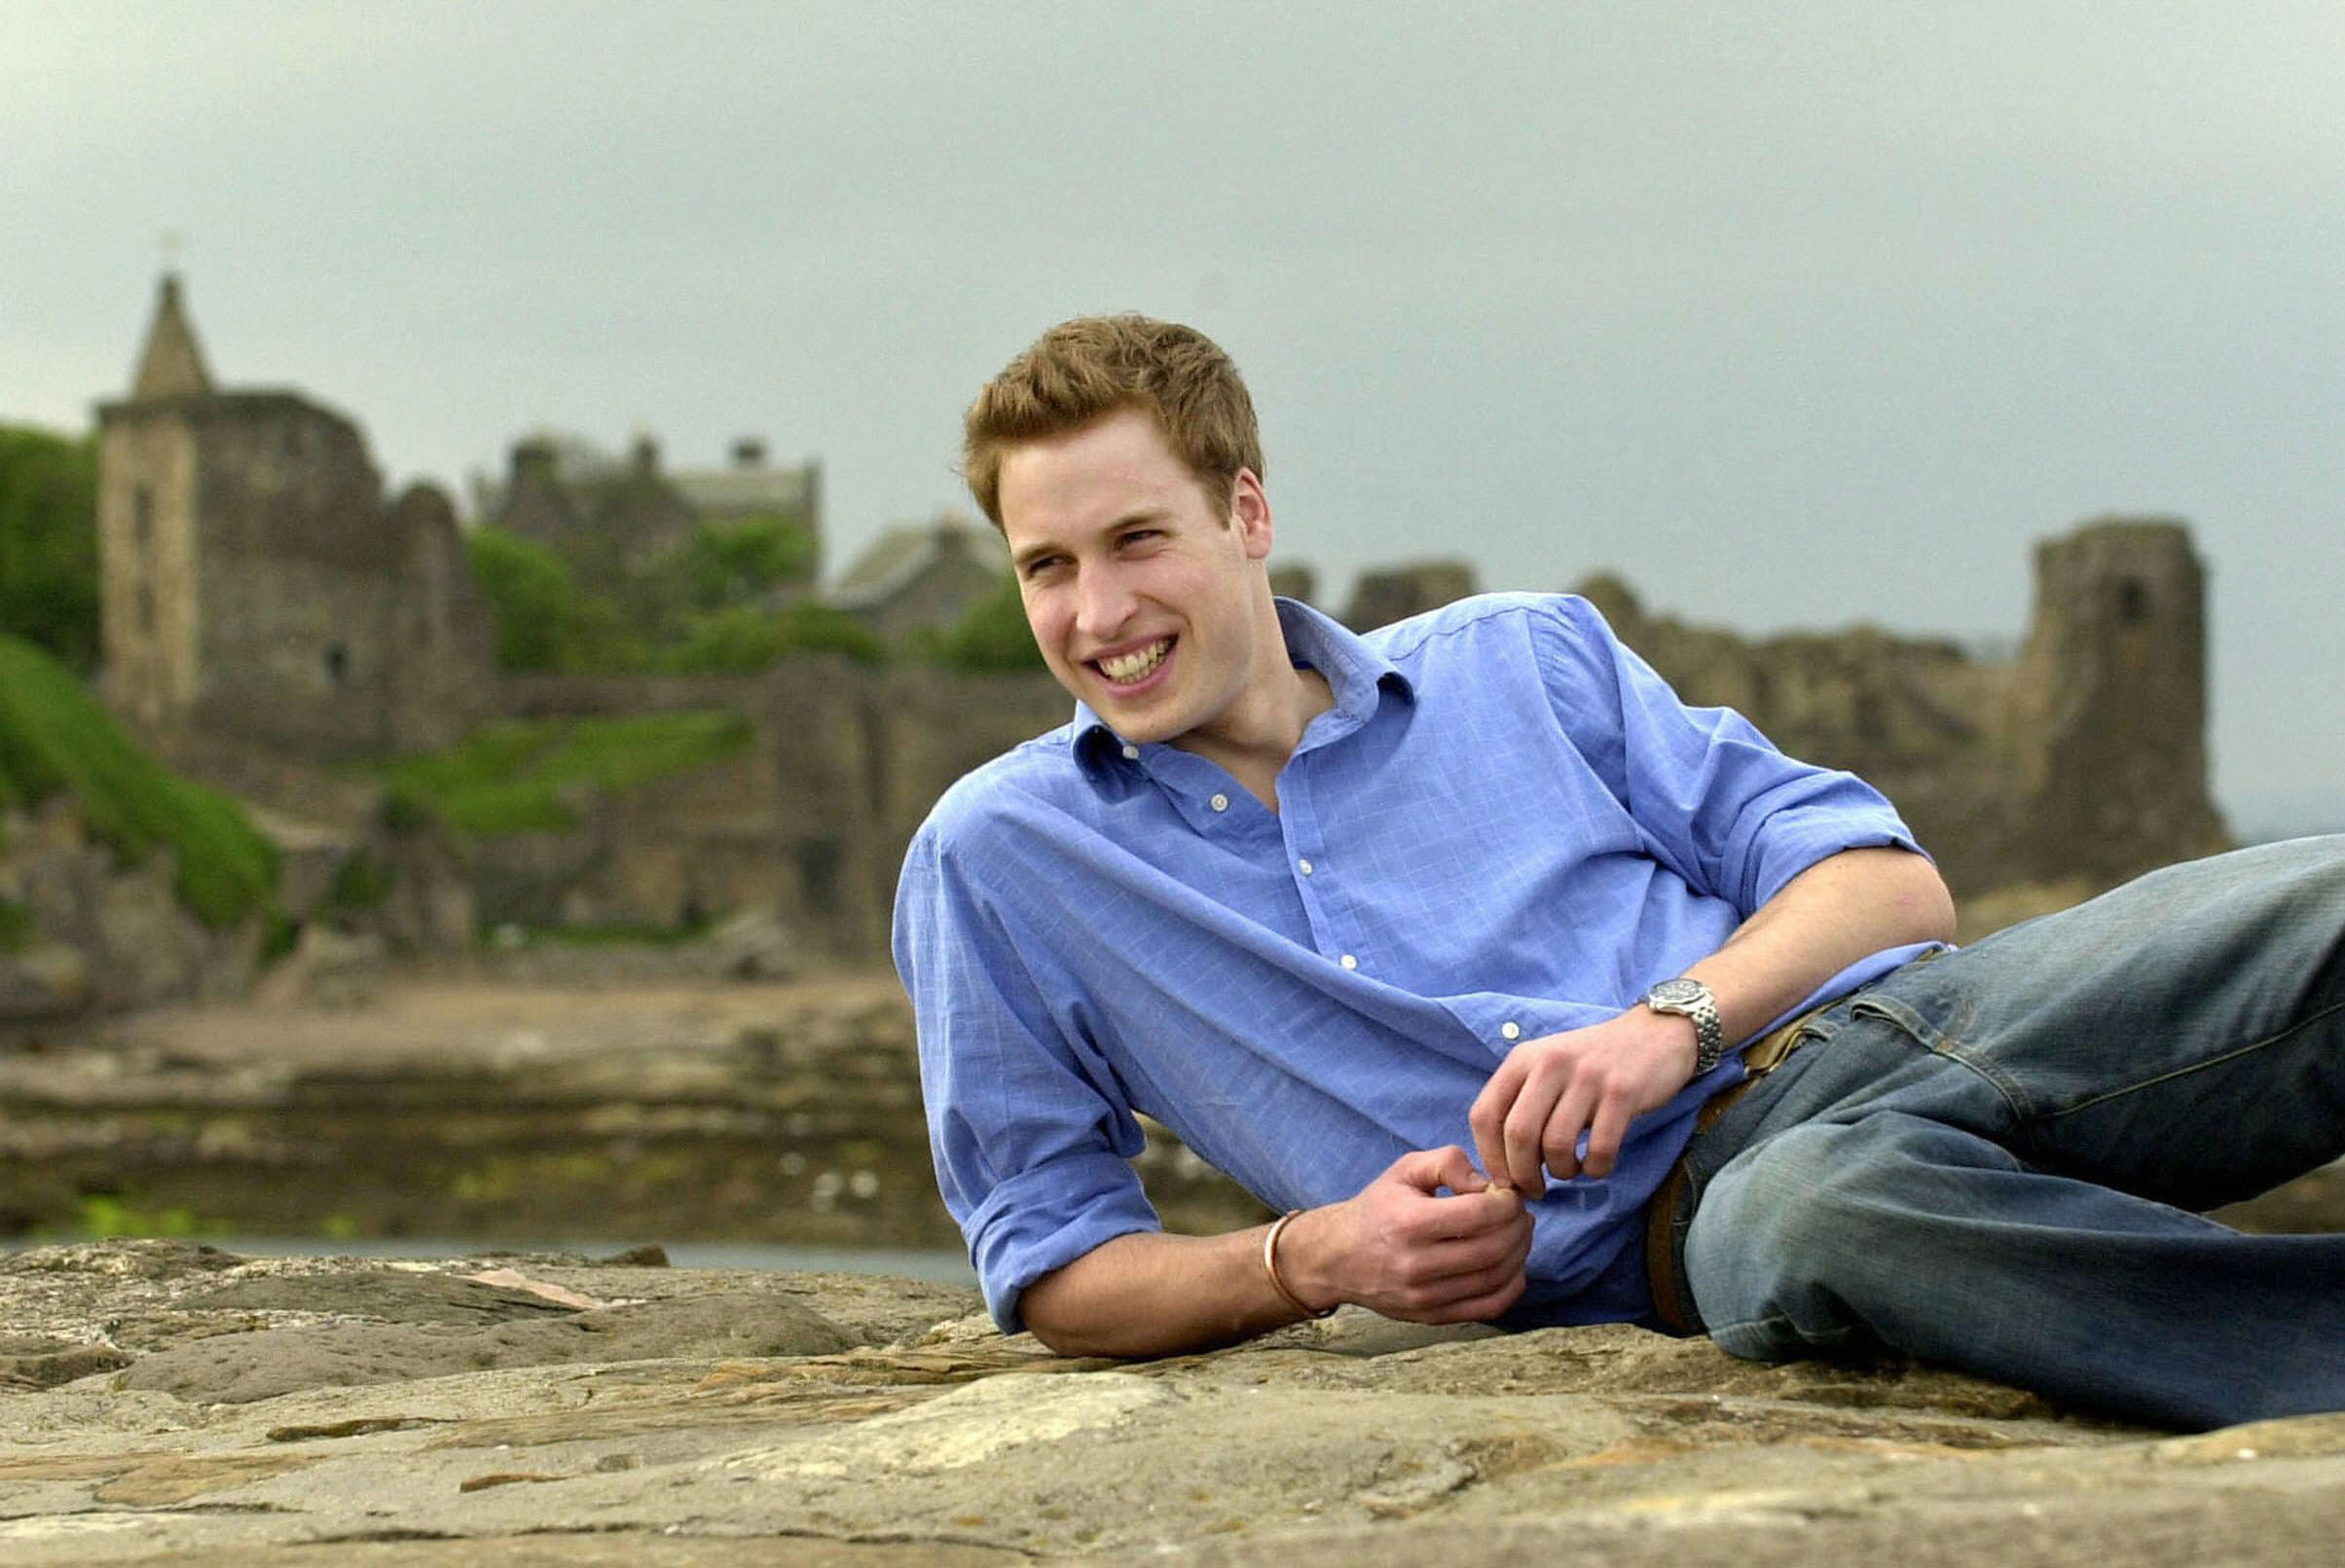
[{"x": 1129, "y": 669}]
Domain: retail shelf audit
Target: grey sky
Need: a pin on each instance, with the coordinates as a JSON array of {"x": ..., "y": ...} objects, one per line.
[{"x": 1795, "y": 315}]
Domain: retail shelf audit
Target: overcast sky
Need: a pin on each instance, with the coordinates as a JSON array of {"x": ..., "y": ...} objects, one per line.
[{"x": 1795, "y": 315}]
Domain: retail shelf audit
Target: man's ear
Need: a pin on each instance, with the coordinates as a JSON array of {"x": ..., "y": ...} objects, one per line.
[{"x": 1250, "y": 513}]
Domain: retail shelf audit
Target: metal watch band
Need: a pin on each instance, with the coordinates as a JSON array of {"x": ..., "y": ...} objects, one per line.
[{"x": 1691, "y": 999}]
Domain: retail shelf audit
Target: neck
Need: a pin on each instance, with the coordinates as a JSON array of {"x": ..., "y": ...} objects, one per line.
[{"x": 1254, "y": 740}]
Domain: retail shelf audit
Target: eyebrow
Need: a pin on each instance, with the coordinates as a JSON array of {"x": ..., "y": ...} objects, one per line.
[{"x": 1020, "y": 560}]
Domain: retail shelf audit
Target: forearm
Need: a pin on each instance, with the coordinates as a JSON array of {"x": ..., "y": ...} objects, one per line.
[
  {"x": 1426, "y": 1241},
  {"x": 1823, "y": 920},
  {"x": 1591, "y": 1083},
  {"x": 1146, "y": 1293}
]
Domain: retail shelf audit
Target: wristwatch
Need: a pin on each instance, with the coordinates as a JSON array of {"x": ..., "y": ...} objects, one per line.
[{"x": 1691, "y": 999}]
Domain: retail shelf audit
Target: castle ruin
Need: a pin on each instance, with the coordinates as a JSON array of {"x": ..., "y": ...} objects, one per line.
[
  {"x": 259, "y": 595},
  {"x": 254, "y": 583}
]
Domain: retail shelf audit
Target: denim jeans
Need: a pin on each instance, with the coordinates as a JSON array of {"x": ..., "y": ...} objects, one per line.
[{"x": 1993, "y": 1161}]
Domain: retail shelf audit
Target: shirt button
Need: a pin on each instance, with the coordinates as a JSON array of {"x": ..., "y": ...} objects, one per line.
[
  {"x": 1349, "y": 962},
  {"x": 1511, "y": 1030},
  {"x": 1305, "y": 866},
  {"x": 1131, "y": 753},
  {"x": 1220, "y": 803}
]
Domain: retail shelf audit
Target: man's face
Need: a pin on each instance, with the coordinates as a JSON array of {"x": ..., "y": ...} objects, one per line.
[{"x": 1141, "y": 593}]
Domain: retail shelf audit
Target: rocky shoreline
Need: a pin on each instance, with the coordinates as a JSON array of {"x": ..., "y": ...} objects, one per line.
[
  {"x": 165, "y": 1401},
  {"x": 168, "y": 1401},
  {"x": 459, "y": 1106}
]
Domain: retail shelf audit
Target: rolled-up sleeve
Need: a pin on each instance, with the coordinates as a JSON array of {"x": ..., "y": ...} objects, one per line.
[
  {"x": 1032, "y": 1143},
  {"x": 1717, "y": 801}
]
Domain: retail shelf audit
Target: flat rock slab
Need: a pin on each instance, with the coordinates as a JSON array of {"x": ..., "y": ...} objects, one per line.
[{"x": 547, "y": 1409}]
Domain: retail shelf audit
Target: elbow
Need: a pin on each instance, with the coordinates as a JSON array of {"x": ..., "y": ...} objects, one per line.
[
  {"x": 1925, "y": 902},
  {"x": 1052, "y": 1311}
]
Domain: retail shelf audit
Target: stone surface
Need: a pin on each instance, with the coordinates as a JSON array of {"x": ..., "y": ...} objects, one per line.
[{"x": 838, "y": 1420}]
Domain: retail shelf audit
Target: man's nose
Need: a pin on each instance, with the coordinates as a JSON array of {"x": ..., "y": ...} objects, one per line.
[{"x": 1102, "y": 603}]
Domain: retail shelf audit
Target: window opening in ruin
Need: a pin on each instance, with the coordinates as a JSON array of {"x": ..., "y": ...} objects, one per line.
[
  {"x": 2133, "y": 602},
  {"x": 337, "y": 666},
  {"x": 146, "y": 608},
  {"x": 142, "y": 515}
]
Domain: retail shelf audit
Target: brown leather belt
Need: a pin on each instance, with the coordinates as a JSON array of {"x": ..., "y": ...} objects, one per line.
[{"x": 1760, "y": 1057}]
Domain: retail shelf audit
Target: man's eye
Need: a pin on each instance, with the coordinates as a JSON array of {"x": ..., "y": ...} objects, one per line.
[{"x": 1141, "y": 536}]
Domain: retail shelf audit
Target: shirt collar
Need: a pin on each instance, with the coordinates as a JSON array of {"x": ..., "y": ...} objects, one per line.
[{"x": 1356, "y": 673}]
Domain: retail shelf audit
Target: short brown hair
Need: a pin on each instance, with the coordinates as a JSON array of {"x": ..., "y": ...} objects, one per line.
[{"x": 1093, "y": 366}]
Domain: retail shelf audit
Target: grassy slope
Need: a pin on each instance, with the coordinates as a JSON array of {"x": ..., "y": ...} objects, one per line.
[
  {"x": 54, "y": 738},
  {"x": 514, "y": 776}
]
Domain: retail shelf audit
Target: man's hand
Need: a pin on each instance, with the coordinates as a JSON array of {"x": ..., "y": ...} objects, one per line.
[
  {"x": 1404, "y": 1248},
  {"x": 1592, "y": 1081}
]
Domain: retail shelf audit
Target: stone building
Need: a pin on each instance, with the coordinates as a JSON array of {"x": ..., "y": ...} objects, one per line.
[
  {"x": 2083, "y": 759},
  {"x": 1396, "y": 593},
  {"x": 610, "y": 521},
  {"x": 922, "y": 574},
  {"x": 255, "y": 584}
]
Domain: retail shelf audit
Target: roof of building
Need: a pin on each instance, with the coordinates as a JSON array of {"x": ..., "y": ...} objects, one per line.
[
  {"x": 742, "y": 490},
  {"x": 172, "y": 363},
  {"x": 902, "y": 553}
]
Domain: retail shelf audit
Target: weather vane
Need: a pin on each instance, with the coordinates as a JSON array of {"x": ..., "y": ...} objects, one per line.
[{"x": 174, "y": 240}]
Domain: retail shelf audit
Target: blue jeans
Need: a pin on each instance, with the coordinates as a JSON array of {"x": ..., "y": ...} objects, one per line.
[{"x": 1993, "y": 1161}]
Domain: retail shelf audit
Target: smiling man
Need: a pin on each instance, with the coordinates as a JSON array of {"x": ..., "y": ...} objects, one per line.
[{"x": 1338, "y": 908}]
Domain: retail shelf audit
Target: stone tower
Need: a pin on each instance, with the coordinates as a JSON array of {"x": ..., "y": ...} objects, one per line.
[
  {"x": 254, "y": 585},
  {"x": 2114, "y": 692}
]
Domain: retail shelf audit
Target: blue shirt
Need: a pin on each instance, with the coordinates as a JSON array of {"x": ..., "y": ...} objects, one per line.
[{"x": 1505, "y": 825}]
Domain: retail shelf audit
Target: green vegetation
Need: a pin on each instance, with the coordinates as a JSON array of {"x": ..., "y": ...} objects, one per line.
[
  {"x": 17, "y": 928},
  {"x": 523, "y": 774},
  {"x": 54, "y": 738},
  {"x": 543, "y": 620},
  {"x": 360, "y": 884},
  {"x": 700, "y": 611},
  {"x": 741, "y": 562},
  {"x": 992, "y": 637},
  {"x": 745, "y": 640},
  {"x": 48, "y": 542},
  {"x": 103, "y": 1215}
]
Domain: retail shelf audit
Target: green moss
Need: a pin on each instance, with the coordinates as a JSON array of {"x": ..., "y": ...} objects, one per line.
[
  {"x": 522, "y": 776},
  {"x": 104, "y": 1214},
  {"x": 360, "y": 884},
  {"x": 56, "y": 738},
  {"x": 991, "y": 638},
  {"x": 748, "y": 639},
  {"x": 16, "y": 927},
  {"x": 48, "y": 542}
]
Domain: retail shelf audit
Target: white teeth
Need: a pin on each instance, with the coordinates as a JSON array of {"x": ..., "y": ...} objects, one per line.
[{"x": 1132, "y": 666}]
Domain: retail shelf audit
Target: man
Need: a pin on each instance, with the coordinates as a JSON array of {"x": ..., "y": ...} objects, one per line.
[{"x": 1335, "y": 908}]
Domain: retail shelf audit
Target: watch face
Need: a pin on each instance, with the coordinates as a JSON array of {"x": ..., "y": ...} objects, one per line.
[{"x": 1681, "y": 992}]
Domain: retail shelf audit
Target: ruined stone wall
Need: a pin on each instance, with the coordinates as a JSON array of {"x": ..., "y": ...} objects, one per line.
[
  {"x": 255, "y": 587},
  {"x": 544, "y": 696},
  {"x": 110, "y": 935},
  {"x": 2083, "y": 759},
  {"x": 295, "y": 653},
  {"x": 811, "y": 824},
  {"x": 2113, "y": 689},
  {"x": 146, "y": 540},
  {"x": 442, "y": 635}
]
